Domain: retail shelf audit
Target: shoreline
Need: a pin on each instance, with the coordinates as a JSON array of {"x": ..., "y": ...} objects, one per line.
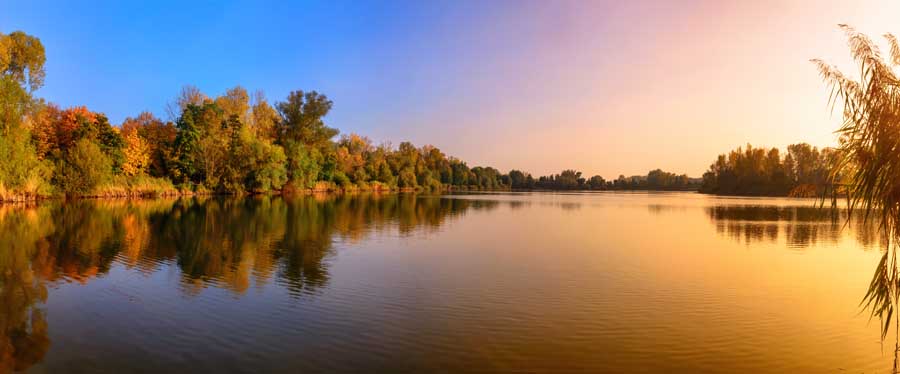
[
  {"x": 13, "y": 199},
  {"x": 178, "y": 193}
]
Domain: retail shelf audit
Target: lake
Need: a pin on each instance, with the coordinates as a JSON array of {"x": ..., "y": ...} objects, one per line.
[{"x": 493, "y": 282}]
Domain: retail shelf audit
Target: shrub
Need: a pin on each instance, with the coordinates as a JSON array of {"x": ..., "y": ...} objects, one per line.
[
  {"x": 20, "y": 170},
  {"x": 302, "y": 165},
  {"x": 268, "y": 170},
  {"x": 82, "y": 169},
  {"x": 341, "y": 179}
]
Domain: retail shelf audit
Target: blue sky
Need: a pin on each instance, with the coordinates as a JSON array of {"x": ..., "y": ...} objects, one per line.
[
  {"x": 124, "y": 57},
  {"x": 605, "y": 87},
  {"x": 396, "y": 70}
]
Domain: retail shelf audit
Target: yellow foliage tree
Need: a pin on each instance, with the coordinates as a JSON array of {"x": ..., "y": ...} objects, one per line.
[{"x": 137, "y": 154}]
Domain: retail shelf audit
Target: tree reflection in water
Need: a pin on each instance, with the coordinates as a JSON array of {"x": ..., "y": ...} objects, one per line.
[
  {"x": 801, "y": 226},
  {"x": 229, "y": 243}
]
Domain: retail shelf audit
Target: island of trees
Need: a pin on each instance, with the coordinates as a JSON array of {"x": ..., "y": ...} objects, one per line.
[
  {"x": 237, "y": 142},
  {"x": 803, "y": 171}
]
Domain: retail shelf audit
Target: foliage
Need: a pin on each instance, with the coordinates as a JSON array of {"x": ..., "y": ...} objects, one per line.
[
  {"x": 22, "y": 59},
  {"x": 159, "y": 139},
  {"x": 302, "y": 119},
  {"x": 14, "y": 104},
  {"x": 83, "y": 168},
  {"x": 867, "y": 162},
  {"x": 803, "y": 171},
  {"x": 574, "y": 180},
  {"x": 186, "y": 145},
  {"x": 267, "y": 170},
  {"x": 302, "y": 164},
  {"x": 136, "y": 154},
  {"x": 21, "y": 171}
]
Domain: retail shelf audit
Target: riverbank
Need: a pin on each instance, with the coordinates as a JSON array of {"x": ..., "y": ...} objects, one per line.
[{"x": 149, "y": 188}]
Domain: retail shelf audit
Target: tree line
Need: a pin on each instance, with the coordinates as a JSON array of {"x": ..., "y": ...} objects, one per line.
[
  {"x": 802, "y": 171},
  {"x": 236, "y": 142},
  {"x": 573, "y": 180}
]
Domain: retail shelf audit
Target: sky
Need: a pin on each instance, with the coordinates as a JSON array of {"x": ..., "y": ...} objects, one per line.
[{"x": 604, "y": 87}]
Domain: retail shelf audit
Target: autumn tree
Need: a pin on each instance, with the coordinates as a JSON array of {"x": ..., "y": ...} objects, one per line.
[
  {"x": 137, "y": 154},
  {"x": 264, "y": 118},
  {"x": 758, "y": 171},
  {"x": 189, "y": 95},
  {"x": 22, "y": 59},
  {"x": 159, "y": 139},
  {"x": 235, "y": 102}
]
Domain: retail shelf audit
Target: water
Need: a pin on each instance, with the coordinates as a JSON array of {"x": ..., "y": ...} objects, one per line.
[{"x": 593, "y": 282}]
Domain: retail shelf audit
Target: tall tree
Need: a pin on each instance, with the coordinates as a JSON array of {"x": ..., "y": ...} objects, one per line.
[
  {"x": 22, "y": 59},
  {"x": 302, "y": 119}
]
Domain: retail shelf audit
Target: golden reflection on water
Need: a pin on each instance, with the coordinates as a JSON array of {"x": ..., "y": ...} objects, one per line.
[{"x": 461, "y": 283}]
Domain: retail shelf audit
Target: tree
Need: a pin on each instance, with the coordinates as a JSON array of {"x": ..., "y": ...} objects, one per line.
[
  {"x": 22, "y": 59},
  {"x": 757, "y": 171},
  {"x": 302, "y": 164},
  {"x": 158, "y": 137},
  {"x": 596, "y": 183},
  {"x": 352, "y": 152},
  {"x": 264, "y": 118},
  {"x": 189, "y": 95},
  {"x": 868, "y": 157},
  {"x": 137, "y": 154},
  {"x": 517, "y": 179},
  {"x": 14, "y": 104},
  {"x": 302, "y": 119},
  {"x": 83, "y": 168},
  {"x": 568, "y": 179},
  {"x": 21, "y": 170},
  {"x": 186, "y": 145},
  {"x": 235, "y": 102},
  {"x": 267, "y": 170},
  {"x": 461, "y": 172},
  {"x": 21, "y": 72}
]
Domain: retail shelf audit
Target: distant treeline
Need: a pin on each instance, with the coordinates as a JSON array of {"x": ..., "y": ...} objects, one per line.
[
  {"x": 573, "y": 180},
  {"x": 802, "y": 171},
  {"x": 232, "y": 143}
]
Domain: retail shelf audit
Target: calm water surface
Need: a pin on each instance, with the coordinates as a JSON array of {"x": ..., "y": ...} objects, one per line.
[{"x": 598, "y": 282}]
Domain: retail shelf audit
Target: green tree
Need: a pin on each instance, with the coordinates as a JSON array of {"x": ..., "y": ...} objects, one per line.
[
  {"x": 21, "y": 170},
  {"x": 22, "y": 59},
  {"x": 187, "y": 145},
  {"x": 84, "y": 167},
  {"x": 302, "y": 164},
  {"x": 302, "y": 119}
]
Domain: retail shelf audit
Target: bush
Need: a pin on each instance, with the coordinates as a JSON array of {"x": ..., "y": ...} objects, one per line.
[
  {"x": 21, "y": 172},
  {"x": 268, "y": 170},
  {"x": 407, "y": 178},
  {"x": 82, "y": 169},
  {"x": 302, "y": 165},
  {"x": 341, "y": 179}
]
